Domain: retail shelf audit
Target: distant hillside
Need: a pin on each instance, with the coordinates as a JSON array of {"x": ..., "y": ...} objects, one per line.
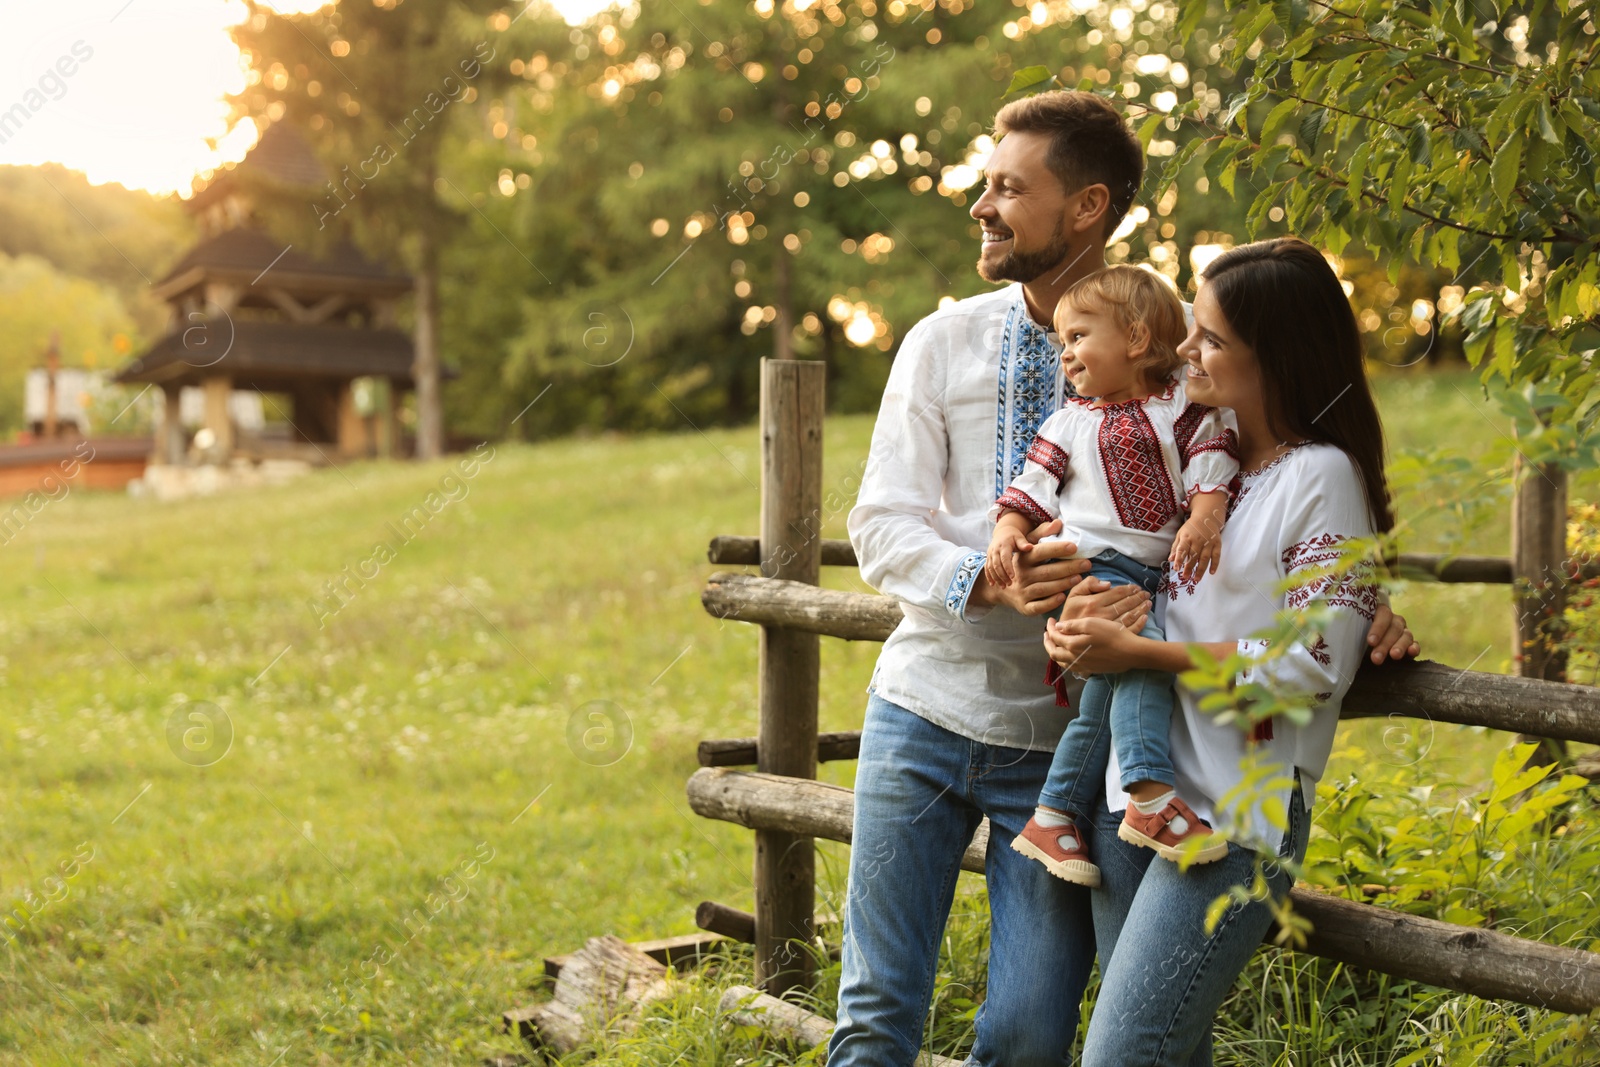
[
  {"x": 105, "y": 233},
  {"x": 79, "y": 259}
]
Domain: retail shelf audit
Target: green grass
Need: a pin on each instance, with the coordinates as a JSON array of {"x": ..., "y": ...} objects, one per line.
[{"x": 294, "y": 896}]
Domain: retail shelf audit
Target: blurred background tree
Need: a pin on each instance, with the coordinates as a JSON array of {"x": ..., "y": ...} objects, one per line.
[
  {"x": 386, "y": 92},
  {"x": 619, "y": 218}
]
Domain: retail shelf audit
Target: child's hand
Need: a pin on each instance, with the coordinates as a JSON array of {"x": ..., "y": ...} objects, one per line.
[
  {"x": 1198, "y": 547},
  {"x": 1001, "y": 565}
]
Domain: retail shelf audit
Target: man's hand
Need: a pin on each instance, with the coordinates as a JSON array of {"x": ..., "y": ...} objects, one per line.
[
  {"x": 1389, "y": 637},
  {"x": 1043, "y": 576}
]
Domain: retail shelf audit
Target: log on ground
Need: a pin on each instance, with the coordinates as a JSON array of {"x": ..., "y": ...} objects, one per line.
[
  {"x": 600, "y": 986},
  {"x": 680, "y": 951},
  {"x": 790, "y": 1022}
]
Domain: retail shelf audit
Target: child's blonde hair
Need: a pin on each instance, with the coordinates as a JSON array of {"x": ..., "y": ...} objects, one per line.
[{"x": 1140, "y": 302}]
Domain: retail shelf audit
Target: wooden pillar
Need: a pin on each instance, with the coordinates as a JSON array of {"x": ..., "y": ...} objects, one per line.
[
  {"x": 353, "y": 442},
  {"x": 52, "y": 370},
  {"x": 218, "y": 419},
  {"x": 791, "y": 548},
  {"x": 1538, "y": 571},
  {"x": 388, "y": 428},
  {"x": 171, "y": 445}
]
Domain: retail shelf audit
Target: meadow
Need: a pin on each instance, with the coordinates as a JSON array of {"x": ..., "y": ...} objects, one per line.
[{"x": 286, "y": 780}]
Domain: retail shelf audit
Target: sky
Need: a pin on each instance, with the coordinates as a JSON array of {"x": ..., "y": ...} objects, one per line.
[{"x": 131, "y": 91}]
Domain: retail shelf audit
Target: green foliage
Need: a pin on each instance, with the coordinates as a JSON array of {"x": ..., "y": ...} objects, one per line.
[
  {"x": 433, "y": 708},
  {"x": 120, "y": 238},
  {"x": 378, "y": 90},
  {"x": 1500, "y": 844},
  {"x": 78, "y": 259},
  {"x": 1288, "y": 1007},
  {"x": 1424, "y": 133},
  {"x": 36, "y": 301}
]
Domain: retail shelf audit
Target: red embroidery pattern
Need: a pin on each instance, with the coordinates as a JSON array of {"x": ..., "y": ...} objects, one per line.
[
  {"x": 1322, "y": 654},
  {"x": 1184, "y": 429},
  {"x": 1173, "y": 584},
  {"x": 1014, "y": 499},
  {"x": 1236, "y": 489},
  {"x": 1051, "y": 456},
  {"x": 1351, "y": 588},
  {"x": 1226, "y": 441},
  {"x": 1136, "y": 471},
  {"x": 1244, "y": 480}
]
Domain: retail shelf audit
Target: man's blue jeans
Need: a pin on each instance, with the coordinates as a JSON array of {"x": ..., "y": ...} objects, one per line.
[
  {"x": 1162, "y": 976},
  {"x": 1131, "y": 710},
  {"x": 920, "y": 793}
]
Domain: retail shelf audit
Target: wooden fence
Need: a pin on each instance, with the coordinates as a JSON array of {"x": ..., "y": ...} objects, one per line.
[{"x": 787, "y": 808}]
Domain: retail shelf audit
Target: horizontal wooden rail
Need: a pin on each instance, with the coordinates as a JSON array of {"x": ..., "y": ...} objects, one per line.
[
  {"x": 1419, "y": 690},
  {"x": 1483, "y": 963},
  {"x": 798, "y": 606},
  {"x": 741, "y": 751},
  {"x": 733, "y": 551},
  {"x": 729, "y": 922},
  {"x": 725, "y": 921}
]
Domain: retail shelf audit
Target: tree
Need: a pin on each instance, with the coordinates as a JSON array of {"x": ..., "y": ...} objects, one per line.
[
  {"x": 1468, "y": 145},
  {"x": 380, "y": 87}
]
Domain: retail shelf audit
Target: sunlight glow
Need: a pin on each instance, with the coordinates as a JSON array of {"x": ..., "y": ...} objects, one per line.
[{"x": 125, "y": 92}]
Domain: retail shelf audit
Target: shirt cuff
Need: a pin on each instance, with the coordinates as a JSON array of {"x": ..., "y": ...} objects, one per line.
[
  {"x": 1253, "y": 649},
  {"x": 962, "y": 584},
  {"x": 1206, "y": 487}
]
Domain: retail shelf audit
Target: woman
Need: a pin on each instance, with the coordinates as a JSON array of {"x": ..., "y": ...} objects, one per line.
[{"x": 1274, "y": 340}]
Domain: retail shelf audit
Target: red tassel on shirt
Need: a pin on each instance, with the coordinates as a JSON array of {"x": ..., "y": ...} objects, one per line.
[{"x": 1056, "y": 675}]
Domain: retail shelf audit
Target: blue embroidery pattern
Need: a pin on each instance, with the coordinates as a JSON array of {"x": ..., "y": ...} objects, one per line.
[
  {"x": 961, "y": 585},
  {"x": 1030, "y": 390}
]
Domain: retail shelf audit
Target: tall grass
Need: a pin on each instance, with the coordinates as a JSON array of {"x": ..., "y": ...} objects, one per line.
[{"x": 303, "y": 897}]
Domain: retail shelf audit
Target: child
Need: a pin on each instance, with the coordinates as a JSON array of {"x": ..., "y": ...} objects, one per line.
[{"x": 1119, "y": 463}]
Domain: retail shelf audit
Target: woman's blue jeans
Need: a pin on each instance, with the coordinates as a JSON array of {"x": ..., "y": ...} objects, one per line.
[
  {"x": 1131, "y": 710},
  {"x": 920, "y": 793},
  {"x": 1162, "y": 977}
]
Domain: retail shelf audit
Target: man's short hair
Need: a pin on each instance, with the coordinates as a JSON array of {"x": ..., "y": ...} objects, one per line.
[{"x": 1089, "y": 144}]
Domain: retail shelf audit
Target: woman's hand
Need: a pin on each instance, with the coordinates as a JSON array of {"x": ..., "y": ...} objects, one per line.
[
  {"x": 1127, "y": 605},
  {"x": 1096, "y": 622},
  {"x": 1093, "y": 645},
  {"x": 1389, "y": 637}
]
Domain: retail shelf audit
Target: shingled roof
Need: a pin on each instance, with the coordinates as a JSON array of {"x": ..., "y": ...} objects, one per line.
[
  {"x": 266, "y": 355},
  {"x": 250, "y": 252},
  {"x": 282, "y": 156}
]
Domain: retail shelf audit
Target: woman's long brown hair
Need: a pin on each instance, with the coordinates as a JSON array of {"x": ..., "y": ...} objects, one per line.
[{"x": 1283, "y": 300}]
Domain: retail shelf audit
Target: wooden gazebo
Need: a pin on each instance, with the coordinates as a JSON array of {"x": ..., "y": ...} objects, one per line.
[{"x": 250, "y": 311}]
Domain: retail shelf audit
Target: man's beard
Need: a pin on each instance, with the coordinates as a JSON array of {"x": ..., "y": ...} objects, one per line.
[{"x": 1026, "y": 266}]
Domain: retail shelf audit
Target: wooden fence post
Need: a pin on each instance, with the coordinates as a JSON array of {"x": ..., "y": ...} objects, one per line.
[
  {"x": 1538, "y": 571},
  {"x": 791, "y": 548}
]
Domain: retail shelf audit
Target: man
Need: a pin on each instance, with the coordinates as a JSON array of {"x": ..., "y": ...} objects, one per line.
[{"x": 960, "y": 725}]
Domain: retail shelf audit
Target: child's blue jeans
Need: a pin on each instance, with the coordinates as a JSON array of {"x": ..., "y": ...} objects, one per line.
[{"x": 1131, "y": 710}]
